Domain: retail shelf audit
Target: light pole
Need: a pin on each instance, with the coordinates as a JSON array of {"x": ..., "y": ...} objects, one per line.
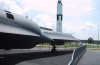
[{"x": 98, "y": 35}]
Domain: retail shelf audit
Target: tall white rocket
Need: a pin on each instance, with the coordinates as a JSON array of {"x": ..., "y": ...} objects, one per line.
[{"x": 59, "y": 16}]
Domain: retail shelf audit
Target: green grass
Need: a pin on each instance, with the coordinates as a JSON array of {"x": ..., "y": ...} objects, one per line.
[
  {"x": 72, "y": 45},
  {"x": 68, "y": 44},
  {"x": 89, "y": 46}
]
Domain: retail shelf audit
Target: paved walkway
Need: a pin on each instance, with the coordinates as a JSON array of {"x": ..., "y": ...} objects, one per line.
[
  {"x": 91, "y": 57},
  {"x": 35, "y": 57}
]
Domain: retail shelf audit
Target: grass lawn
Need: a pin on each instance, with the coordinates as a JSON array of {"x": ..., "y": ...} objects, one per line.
[
  {"x": 89, "y": 46},
  {"x": 93, "y": 47},
  {"x": 69, "y": 44}
]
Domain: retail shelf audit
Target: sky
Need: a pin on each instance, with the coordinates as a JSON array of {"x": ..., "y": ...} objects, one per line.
[{"x": 80, "y": 17}]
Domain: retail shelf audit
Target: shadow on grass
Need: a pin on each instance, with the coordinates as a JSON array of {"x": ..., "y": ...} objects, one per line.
[{"x": 12, "y": 59}]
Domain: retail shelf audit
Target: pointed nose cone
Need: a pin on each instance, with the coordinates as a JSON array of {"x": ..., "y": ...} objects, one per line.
[
  {"x": 45, "y": 39},
  {"x": 59, "y": 2}
]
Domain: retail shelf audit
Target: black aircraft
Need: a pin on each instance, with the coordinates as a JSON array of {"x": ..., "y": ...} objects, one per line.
[{"x": 17, "y": 32}]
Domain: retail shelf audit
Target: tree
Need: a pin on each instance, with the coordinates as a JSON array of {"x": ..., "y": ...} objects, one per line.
[{"x": 90, "y": 40}]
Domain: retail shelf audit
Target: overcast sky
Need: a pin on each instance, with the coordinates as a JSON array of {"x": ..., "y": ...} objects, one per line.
[{"x": 80, "y": 17}]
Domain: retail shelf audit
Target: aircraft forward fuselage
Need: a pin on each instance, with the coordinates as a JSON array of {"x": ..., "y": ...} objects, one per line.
[{"x": 17, "y": 32}]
